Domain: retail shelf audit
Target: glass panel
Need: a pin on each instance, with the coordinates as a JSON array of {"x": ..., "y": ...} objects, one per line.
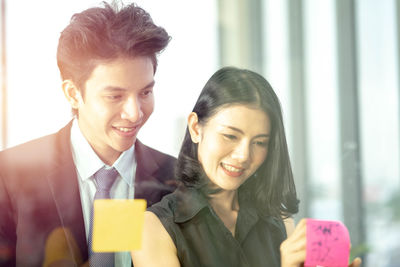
[
  {"x": 322, "y": 113},
  {"x": 379, "y": 109},
  {"x": 36, "y": 104},
  {"x": 184, "y": 67}
]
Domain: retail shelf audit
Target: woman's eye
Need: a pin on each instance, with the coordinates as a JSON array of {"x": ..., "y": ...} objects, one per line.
[
  {"x": 229, "y": 136},
  {"x": 261, "y": 143}
]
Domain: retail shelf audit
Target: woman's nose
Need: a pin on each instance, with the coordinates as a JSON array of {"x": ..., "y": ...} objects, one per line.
[{"x": 241, "y": 152}]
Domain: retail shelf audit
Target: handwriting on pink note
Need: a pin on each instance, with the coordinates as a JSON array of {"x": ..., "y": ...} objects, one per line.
[{"x": 328, "y": 244}]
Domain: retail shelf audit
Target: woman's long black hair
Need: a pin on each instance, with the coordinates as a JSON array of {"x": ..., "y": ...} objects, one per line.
[{"x": 271, "y": 186}]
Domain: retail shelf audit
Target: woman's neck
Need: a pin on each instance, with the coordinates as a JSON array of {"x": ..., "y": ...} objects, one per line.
[
  {"x": 225, "y": 200},
  {"x": 226, "y": 206}
]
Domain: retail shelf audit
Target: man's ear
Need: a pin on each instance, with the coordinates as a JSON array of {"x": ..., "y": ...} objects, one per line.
[
  {"x": 72, "y": 93},
  {"x": 194, "y": 127}
]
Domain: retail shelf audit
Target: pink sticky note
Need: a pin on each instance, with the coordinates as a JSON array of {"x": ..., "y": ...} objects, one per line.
[{"x": 328, "y": 244}]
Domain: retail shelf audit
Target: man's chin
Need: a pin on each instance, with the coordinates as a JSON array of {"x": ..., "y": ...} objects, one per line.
[{"x": 124, "y": 146}]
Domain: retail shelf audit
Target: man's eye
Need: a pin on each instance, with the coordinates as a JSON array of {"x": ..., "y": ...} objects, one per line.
[
  {"x": 114, "y": 97},
  {"x": 147, "y": 92}
]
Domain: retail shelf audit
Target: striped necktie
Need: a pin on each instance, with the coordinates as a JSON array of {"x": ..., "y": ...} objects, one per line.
[{"x": 104, "y": 179}]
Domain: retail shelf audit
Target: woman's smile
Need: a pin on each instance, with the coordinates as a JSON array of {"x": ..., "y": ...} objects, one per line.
[{"x": 232, "y": 170}]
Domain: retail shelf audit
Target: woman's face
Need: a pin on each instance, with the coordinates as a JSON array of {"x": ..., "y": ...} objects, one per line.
[{"x": 232, "y": 144}]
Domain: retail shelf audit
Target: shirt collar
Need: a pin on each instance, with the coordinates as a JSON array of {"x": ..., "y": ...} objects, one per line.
[
  {"x": 88, "y": 163},
  {"x": 124, "y": 165},
  {"x": 189, "y": 202}
]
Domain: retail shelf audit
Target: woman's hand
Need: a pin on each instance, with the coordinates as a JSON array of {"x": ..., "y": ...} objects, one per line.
[
  {"x": 356, "y": 263},
  {"x": 293, "y": 249}
]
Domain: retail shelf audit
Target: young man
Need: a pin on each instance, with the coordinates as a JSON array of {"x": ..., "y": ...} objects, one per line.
[{"x": 107, "y": 60}]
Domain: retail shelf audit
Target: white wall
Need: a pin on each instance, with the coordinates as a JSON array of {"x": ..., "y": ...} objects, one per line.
[{"x": 36, "y": 104}]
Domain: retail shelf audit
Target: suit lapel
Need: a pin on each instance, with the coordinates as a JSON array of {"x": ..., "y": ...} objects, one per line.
[
  {"x": 146, "y": 164},
  {"x": 147, "y": 183},
  {"x": 65, "y": 189}
]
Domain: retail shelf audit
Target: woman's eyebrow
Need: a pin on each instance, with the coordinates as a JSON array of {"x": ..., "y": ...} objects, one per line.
[{"x": 240, "y": 131}]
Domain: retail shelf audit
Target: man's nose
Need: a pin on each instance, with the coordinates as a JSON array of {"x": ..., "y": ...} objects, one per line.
[{"x": 132, "y": 110}]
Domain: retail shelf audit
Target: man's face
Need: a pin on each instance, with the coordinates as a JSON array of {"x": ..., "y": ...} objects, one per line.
[{"x": 118, "y": 100}]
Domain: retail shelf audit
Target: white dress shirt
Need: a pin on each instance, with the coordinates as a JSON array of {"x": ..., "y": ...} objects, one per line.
[{"x": 87, "y": 163}]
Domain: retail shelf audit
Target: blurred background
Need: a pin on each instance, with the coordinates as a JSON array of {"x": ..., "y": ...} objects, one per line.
[{"x": 333, "y": 63}]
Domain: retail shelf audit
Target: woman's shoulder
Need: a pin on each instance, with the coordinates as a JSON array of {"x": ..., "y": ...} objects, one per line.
[
  {"x": 166, "y": 207},
  {"x": 180, "y": 206},
  {"x": 157, "y": 245}
]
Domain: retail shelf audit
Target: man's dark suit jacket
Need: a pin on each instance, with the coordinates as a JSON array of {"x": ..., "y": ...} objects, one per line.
[{"x": 39, "y": 192}]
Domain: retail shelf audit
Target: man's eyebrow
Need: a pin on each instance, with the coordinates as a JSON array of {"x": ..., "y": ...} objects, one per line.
[
  {"x": 116, "y": 88},
  {"x": 240, "y": 131},
  {"x": 150, "y": 85}
]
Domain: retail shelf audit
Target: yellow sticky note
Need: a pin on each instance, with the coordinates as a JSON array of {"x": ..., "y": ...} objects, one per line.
[{"x": 118, "y": 224}]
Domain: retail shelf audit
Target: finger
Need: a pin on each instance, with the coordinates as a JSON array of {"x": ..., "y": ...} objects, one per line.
[
  {"x": 293, "y": 259},
  {"x": 301, "y": 224},
  {"x": 300, "y": 244},
  {"x": 300, "y": 228},
  {"x": 298, "y": 234},
  {"x": 287, "y": 247},
  {"x": 356, "y": 262}
]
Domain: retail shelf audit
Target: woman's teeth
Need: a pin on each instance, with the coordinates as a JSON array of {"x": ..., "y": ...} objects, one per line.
[{"x": 231, "y": 168}]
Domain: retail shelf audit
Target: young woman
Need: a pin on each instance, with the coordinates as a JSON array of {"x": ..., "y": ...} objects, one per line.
[{"x": 237, "y": 193}]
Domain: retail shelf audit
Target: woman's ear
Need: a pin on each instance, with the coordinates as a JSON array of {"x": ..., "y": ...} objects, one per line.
[
  {"x": 72, "y": 94},
  {"x": 194, "y": 127}
]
